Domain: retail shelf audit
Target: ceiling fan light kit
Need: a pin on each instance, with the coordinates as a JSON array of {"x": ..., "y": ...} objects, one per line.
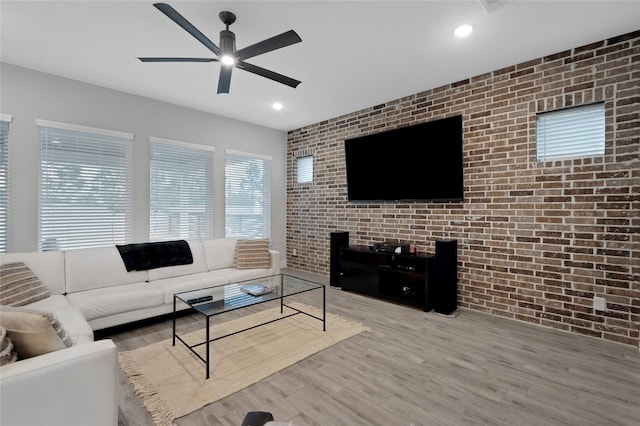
[{"x": 226, "y": 53}]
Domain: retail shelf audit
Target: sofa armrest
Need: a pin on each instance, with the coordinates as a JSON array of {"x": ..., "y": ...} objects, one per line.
[
  {"x": 275, "y": 261},
  {"x": 72, "y": 386}
]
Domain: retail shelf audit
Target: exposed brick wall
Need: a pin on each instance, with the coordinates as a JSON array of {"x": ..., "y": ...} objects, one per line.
[{"x": 536, "y": 241}]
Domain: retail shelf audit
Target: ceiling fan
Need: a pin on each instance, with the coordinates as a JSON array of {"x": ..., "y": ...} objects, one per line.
[{"x": 227, "y": 54}]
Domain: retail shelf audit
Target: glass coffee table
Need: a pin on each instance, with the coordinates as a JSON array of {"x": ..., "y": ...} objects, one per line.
[{"x": 216, "y": 300}]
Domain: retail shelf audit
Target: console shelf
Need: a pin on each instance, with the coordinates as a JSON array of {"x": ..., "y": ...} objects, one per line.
[{"x": 399, "y": 277}]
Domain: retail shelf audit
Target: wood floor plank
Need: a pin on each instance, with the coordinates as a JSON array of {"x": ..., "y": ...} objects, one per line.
[{"x": 418, "y": 368}]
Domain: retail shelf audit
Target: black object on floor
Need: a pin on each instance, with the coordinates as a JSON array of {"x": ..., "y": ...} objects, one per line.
[{"x": 257, "y": 418}]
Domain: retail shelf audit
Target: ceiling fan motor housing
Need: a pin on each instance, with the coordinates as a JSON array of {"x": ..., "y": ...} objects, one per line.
[{"x": 227, "y": 41}]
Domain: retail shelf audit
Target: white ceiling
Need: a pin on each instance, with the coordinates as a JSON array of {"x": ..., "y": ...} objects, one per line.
[{"x": 354, "y": 54}]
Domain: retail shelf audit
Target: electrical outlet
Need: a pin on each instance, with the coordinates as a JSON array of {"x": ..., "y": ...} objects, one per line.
[
  {"x": 599, "y": 303},
  {"x": 295, "y": 252}
]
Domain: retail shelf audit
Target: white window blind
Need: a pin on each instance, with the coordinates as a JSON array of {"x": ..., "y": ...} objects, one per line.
[
  {"x": 570, "y": 133},
  {"x": 247, "y": 195},
  {"x": 181, "y": 190},
  {"x": 304, "y": 169},
  {"x": 84, "y": 187},
  {"x": 4, "y": 180}
]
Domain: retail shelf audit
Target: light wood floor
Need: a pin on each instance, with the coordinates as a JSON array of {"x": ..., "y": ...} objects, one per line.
[{"x": 418, "y": 368}]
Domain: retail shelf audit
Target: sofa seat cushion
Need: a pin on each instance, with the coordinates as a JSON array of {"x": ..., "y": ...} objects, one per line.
[
  {"x": 70, "y": 317},
  {"x": 170, "y": 286},
  {"x": 102, "y": 302}
]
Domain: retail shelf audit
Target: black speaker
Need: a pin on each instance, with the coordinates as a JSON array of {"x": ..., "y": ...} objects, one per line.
[
  {"x": 338, "y": 240},
  {"x": 445, "y": 285}
]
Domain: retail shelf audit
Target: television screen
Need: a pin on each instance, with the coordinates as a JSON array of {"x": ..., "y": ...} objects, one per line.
[{"x": 421, "y": 162}]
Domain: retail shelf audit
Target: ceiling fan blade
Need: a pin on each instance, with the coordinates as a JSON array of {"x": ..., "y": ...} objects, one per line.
[
  {"x": 268, "y": 74},
  {"x": 273, "y": 43},
  {"x": 177, "y": 60},
  {"x": 224, "y": 81},
  {"x": 187, "y": 26}
]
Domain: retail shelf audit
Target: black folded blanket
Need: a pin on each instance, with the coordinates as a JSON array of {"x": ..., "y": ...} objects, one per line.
[{"x": 143, "y": 256}]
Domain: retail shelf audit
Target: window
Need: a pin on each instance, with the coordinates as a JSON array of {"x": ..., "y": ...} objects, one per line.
[
  {"x": 181, "y": 190},
  {"x": 4, "y": 180},
  {"x": 570, "y": 133},
  {"x": 84, "y": 195},
  {"x": 304, "y": 169},
  {"x": 247, "y": 195}
]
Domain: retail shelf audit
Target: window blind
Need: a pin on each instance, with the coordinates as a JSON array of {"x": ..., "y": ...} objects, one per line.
[
  {"x": 4, "y": 180},
  {"x": 570, "y": 133},
  {"x": 304, "y": 169},
  {"x": 181, "y": 190},
  {"x": 84, "y": 195},
  {"x": 247, "y": 195}
]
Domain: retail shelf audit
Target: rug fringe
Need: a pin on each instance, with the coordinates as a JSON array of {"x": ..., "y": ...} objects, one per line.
[
  {"x": 156, "y": 406},
  {"x": 349, "y": 322}
]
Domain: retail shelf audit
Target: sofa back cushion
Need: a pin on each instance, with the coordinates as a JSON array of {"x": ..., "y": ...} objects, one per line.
[
  {"x": 220, "y": 252},
  {"x": 48, "y": 266},
  {"x": 91, "y": 268},
  {"x": 199, "y": 264}
]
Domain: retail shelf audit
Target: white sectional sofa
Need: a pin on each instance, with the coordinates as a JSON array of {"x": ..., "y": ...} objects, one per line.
[
  {"x": 97, "y": 282},
  {"x": 90, "y": 289}
]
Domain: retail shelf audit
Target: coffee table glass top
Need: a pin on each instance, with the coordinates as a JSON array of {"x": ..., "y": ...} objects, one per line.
[{"x": 215, "y": 300}]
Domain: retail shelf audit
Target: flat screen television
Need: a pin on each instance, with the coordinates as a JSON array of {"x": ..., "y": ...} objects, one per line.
[{"x": 422, "y": 162}]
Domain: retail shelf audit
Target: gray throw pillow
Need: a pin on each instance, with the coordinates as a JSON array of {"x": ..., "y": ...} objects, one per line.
[{"x": 19, "y": 285}]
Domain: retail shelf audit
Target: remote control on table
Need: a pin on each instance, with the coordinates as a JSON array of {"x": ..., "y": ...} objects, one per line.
[{"x": 200, "y": 299}]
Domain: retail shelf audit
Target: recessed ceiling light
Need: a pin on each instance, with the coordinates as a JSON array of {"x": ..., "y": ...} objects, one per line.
[
  {"x": 277, "y": 106},
  {"x": 463, "y": 30}
]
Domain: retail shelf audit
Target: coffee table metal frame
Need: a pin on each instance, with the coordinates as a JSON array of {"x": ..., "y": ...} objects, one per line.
[{"x": 229, "y": 297}]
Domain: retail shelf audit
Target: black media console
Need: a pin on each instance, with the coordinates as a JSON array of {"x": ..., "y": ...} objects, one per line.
[{"x": 400, "y": 277}]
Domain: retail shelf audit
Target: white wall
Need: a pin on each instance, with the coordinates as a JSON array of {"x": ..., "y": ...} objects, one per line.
[{"x": 28, "y": 95}]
